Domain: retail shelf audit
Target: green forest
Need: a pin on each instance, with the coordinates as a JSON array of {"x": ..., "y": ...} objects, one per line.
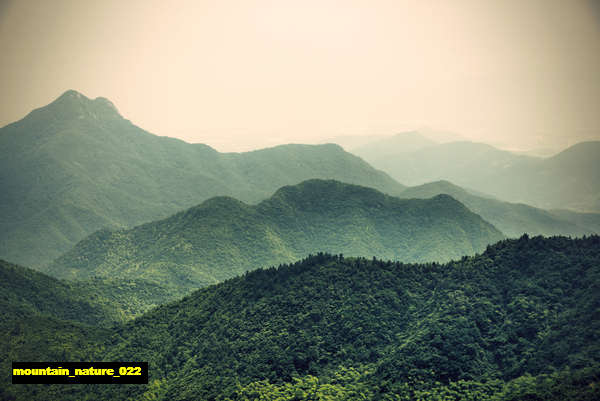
[
  {"x": 297, "y": 272},
  {"x": 519, "y": 321},
  {"x": 224, "y": 237}
]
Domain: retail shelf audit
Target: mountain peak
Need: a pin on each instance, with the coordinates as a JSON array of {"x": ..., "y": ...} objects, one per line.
[
  {"x": 71, "y": 94},
  {"x": 73, "y": 104}
]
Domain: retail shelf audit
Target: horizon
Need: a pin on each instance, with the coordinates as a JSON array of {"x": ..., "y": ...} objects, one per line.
[
  {"x": 348, "y": 142},
  {"x": 241, "y": 76}
]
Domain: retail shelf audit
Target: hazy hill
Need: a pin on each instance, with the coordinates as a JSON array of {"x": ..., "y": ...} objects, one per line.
[
  {"x": 393, "y": 146},
  {"x": 464, "y": 163},
  {"x": 414, "y": 139},
  {"x": 513, "y": 219},
  {"x": 519, "y": 321},
  {"x": 224, "y": 237},
  {"x": 568, "y": 180},
  {"x": 75, "y": 166},
  {"x": 590, "y": 221}
]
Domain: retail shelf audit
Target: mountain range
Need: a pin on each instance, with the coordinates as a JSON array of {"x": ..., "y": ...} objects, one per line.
[
  {"x": 76, "y": 165},
  {"x": 296, "y": 272},
  {"x": 224, "y": 237},
  {"x": 567, "y": 180},
  {"x": 513, "y": 219}
]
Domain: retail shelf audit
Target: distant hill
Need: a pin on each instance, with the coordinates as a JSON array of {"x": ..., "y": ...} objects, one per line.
[
  {"x": 393, "y": 146},
  {"x": 518, "y": 322},
  {"x": 414, "y": 138},
  {"x": 464, "y": 163},
  {"x": 224, "y": 237},
  {"x": 590, "y": 221},
  {"x": 76, "y": 165},
  {"x": 568, "y": 180},
  {"x": 513, "y": 219}
]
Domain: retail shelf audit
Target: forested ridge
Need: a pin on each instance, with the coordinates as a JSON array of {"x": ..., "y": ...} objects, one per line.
[
  {"x": 521, "y": 321},
  {"x": 224, "y": 237},
  {"x": 513, "y": 219}
]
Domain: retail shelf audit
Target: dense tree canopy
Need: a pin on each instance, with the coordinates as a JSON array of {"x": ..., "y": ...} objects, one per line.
[{"x": 518, "y": 322}]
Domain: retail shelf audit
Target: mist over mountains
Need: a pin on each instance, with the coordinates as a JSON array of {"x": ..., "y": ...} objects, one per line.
[
  {"x": 75, "y": 166},
  {"x": 153, "y": 249},
  {"x": 513, "y": 219},
  {"x": 567, "y": 180}
]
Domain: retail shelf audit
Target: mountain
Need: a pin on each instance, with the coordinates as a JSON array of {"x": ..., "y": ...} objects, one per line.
[
  {"x": 464, "y": 163},
  {"x": 590, "y": 221},
  {"x": 76, "y": 166},
  {"x": 402, "y": 141},
  {"x": 224, "y": 237},
  {"x": 520, "y": 321},
  {"x": 394, "y": 146},
  {"x": 513, "y": 219},
  {"x": 568, "y": 180}
]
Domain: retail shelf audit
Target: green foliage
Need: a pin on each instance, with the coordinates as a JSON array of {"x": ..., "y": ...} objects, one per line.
[
  {"x": 223, "y": 237},
  {"x": 518, "y": 322},
  {"x": 76, "y": 166},
  {"x": 25, "y": 292},
  {"x": 345, "y": 384}
]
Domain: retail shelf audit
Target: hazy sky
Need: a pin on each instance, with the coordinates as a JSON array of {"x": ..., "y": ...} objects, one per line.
[{"x": 247, "y": 74}]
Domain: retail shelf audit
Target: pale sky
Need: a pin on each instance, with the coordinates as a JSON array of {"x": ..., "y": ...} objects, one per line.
[{"x": 239, "y": 75}]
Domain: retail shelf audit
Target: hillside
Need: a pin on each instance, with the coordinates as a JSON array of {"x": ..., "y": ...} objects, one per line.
[
  {"x": 27, "y": 293},
  {"x": 568, "y": 180},
  {"x": 513, "y": 219},
  {"x": 76, "y": 166},
  {"x": 517, "y": 322},
  {"x": 224, "y": 237}
]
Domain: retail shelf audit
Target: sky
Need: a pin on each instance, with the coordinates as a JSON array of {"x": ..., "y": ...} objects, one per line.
[{"x": 241, "y": 75}]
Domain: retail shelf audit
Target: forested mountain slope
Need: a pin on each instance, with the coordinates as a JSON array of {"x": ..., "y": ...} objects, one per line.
[
  {"x": 76, "y": 165},
  {"x": 513, "y": 219},
  {"x": 224, "y": 237},
  {"x": 518, "y": 322},
  {"x": 27, "y": 293}
]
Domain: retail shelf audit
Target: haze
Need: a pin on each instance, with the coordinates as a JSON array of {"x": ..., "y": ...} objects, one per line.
[{"x": 240, "y": 75}]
